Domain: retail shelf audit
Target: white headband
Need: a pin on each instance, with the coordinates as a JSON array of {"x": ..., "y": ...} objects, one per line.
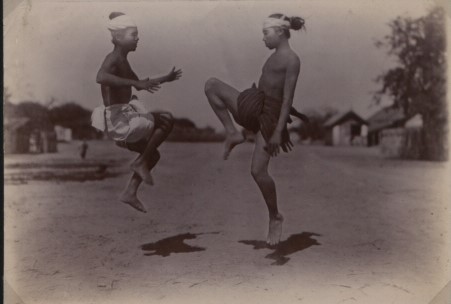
[
  {"x": 121, "y": 22},
  {"x": 273, "y": 22}
]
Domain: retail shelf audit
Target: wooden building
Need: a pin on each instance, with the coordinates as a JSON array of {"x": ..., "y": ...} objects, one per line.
[{"x": 345, "y": 129}]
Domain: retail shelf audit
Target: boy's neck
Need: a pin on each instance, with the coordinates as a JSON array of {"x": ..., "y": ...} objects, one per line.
[
  {"x": 120, "y": 51},
  {"x": 283, "y": 45}
]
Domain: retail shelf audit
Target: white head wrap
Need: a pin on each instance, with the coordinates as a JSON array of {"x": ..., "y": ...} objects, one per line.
[
  {"x": 276, "y": 22},
  {"x": 120, "y": 23}
]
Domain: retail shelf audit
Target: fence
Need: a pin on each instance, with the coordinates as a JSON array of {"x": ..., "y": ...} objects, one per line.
[{"x": 405, "y": 143}]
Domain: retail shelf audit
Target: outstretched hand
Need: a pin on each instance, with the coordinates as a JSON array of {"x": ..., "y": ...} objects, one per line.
[
  {"x": 174, "y": 75},
  {"x": 153, "y": 86},
  {"x": 148, "y": 85}
]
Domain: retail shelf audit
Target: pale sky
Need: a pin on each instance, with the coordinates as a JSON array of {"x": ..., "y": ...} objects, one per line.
[{"x": 54, "y": 49}]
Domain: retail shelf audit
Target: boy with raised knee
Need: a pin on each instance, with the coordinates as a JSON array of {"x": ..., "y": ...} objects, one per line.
[{"x": 122, "y": 116}]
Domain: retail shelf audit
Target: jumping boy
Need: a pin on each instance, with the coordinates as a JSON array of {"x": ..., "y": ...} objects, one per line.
[
  {"x": 122, "y": 117},
  {"x": 264, "y": 110}
]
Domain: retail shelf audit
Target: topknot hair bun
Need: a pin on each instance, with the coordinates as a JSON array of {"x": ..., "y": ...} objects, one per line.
[
  {"x": 115, "y": 14},
  {"x": 297, "y": 23}
]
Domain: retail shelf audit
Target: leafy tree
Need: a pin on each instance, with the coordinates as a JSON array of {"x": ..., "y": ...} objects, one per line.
[
  {"x": 70, "y": 115},
  {"x": 184, "y": 123},
  {"x": 73, "y": 116},
  {"x": 36, "y": 112},
  {"x": 417, "y": 83}
]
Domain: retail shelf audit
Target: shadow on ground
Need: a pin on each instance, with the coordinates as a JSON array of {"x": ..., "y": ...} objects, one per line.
[
  {"x": 70, "y": 173},
  {"x": 294, "y": 243},
  {"x": 173, "y": 244}
]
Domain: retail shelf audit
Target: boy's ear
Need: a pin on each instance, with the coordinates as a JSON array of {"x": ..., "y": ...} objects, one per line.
[
  {"x": 279, "y": 31},
  {"x": 117, "y": 35}
]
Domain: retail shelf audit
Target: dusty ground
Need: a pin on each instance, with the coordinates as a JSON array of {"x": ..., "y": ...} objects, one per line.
[{"x": 359, "y": 229}]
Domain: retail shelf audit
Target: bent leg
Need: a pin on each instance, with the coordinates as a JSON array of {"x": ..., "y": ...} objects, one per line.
[
  {"x": 143, "y": 163},
  {"x": 259, "y": 170},
  {"x": 165, "y": 122},
  {"x": 129, "y": 195},
  {"x": 223, "y": 99},
  {"x": 148, "y": 158}
]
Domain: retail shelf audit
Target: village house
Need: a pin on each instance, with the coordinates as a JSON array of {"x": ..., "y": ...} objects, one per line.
[
  {"x": 396, "y": 134},
  {"x": 17, "y": 135},
  {"x": 386, "y": 118},
  {"x": 63, "y": 134},
  {"x": 346, "y": 129}
]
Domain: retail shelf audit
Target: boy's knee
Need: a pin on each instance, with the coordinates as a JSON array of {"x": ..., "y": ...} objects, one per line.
[
  {"x": 258, "y": 173},
  {"x": 210, "y": 84},
  {"x": 167, "y": 122},
  {"x": 168, "y": 117},
  {"x": 156, "y": 155}
]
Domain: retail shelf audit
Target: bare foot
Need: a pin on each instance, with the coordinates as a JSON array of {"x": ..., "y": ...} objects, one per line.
[
  {"x": 231, "y": 141},
  {"x": 143, "y": 172},
  {"x": 133, "y": 201},
  {"x": 275, "y": 230}
]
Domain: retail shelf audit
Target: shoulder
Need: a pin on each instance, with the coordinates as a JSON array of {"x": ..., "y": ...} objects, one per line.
[
  {"x": 293, "y": 63},
  {"x": 111, "y": 59},
  {"x": 293, "y": 59},
  {"x": 111, "y": 63}
]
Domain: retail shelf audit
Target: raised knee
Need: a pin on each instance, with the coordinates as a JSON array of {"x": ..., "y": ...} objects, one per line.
[
  {"x": 210, "y": 84},
  {"x": 165, "y": 122},
  {"x": 168, "y": 116},
  {"x": 157, "y": 155},
  {"x": 169, "y": 121}
]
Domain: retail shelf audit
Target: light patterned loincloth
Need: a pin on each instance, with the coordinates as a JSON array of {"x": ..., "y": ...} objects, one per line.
[{"x": 124, "y": 122}]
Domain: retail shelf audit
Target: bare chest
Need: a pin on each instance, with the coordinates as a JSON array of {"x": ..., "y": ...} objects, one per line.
[
  {"x": 123, "y": 69},
  {"x": 274, "y": 66}
]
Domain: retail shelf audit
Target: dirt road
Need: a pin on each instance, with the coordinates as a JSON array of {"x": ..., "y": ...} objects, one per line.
[{"x": 358, "y": 229}]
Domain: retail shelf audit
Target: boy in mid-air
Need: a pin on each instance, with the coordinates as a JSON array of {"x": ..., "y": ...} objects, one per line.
[
  {"x": 122, "y": 117},
  {"x": 264, "y": 110}
]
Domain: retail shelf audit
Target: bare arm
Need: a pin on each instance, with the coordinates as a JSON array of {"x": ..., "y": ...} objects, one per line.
[
  {"x": 171, "y": 76},
  {"x": 106, "y": 76},
  {"x": 291, "y": 79}
]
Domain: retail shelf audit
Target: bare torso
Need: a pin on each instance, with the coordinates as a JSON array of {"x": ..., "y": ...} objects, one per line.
[
  {"x": 118, "y": 94},
  {"x": 272, "y": 80}
]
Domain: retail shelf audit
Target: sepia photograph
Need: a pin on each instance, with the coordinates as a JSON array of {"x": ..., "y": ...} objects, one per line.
[{"x": 226, "y": 151}]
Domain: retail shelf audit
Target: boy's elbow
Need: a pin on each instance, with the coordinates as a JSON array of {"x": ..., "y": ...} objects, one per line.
[{"x": 100, "y": 78}]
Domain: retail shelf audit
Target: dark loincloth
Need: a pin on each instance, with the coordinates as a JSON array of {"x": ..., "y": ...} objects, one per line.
[{"x": 258, "y": 112}]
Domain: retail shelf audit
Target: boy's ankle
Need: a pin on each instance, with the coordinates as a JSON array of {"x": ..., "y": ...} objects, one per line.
[{"x": 276, "y": 216}]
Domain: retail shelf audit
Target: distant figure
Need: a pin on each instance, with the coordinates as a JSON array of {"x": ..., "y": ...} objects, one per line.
[
  {"x": 123, "y": 118},
  {"x": 265, "y": 110},
  {"x": 83, "y": 149}
]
